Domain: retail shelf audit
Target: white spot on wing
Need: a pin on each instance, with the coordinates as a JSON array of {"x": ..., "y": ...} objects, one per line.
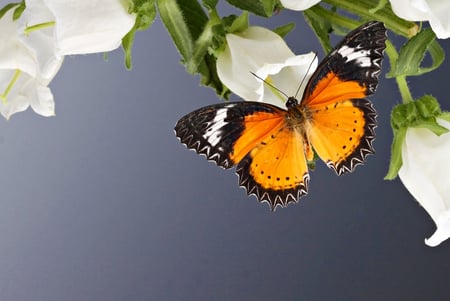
[
  {"x": 360, "y": 56},
  {"x": 214, "y": 133}
]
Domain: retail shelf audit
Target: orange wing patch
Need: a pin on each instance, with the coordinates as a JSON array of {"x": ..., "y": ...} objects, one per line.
[
  {"x": 331, "y": 89},
  {"x": 342, "y": 133},
  {"x": 257, "y": 127},
  {"x": 276, "y": 170}
]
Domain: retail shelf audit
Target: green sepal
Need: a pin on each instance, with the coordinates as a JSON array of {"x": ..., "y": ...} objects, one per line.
[
  {"x": 19, "y": 8},
  {"x": 264, "y": 8},
  {"x": 396, "y": 154},
  {"x": 413, "y": 52},
  {"x": 421, "y": 113},
  {"x": 283, "y": 30},
  {"x": 239, "y": 23},
  {"x": 145, "y": 11}
]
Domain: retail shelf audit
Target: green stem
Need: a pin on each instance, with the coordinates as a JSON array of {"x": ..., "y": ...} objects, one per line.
[
  {"x": 402, "y": 84},
  {"x": 10, "y": 85},
  {"x": 333, "y": 17},
  {"x": 363, "y": 8},
  {"x": 39, "y": 26},
  {"x": 404, "y": 89}
]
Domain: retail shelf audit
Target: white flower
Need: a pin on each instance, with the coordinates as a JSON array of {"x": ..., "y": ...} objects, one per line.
[
  {"x": 88, "y": 26},
  {"x": 299, "y": 4},
  {"x": 426, "y": 174},
  {"x": 434, "y": 11},
  {"x": 27, "y": 65},
  {"x": 265, "y": 53}
]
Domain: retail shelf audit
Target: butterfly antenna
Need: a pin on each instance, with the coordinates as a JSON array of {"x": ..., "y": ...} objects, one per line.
[
  {"x": 304, "y": 77},
  {"x": 269, "y": 84}
]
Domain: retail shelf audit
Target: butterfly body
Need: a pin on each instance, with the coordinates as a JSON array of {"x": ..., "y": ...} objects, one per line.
[{"x": 271, "y": 146}]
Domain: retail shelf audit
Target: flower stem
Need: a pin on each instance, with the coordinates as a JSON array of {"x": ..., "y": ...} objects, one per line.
[
  {"x": 402, "y": 84},
  {"x": 365, "y": 9},
  {"x": 39, "y": 26},
  {"x": 10, "y": 85},
  {"x": 333, "y": 17}
]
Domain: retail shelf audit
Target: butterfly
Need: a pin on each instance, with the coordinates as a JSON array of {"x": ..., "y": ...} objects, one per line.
[{"x": 271, "y": 147}]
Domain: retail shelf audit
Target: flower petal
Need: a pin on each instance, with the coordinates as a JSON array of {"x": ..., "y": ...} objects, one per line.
[
  {"x": 428, "y": 180},
  {"x": 434, "y": 11},
  {"x": 264, "y": 52},
  {"x": 90, "y": 26},
  {"x": 299, "y": 4}
]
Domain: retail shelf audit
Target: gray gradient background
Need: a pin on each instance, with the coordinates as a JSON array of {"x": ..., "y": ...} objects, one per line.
[{"x": 102, "y": 202}]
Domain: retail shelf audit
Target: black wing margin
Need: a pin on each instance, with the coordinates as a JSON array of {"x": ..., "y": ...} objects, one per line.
[
  {"x": 213, "y": 130},
  {"x": 358, "y": 57}
]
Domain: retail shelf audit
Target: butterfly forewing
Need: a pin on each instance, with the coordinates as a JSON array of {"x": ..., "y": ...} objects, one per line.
[
  {"x": 226, "y": 132},
  {"x": 351, "y": 70}
]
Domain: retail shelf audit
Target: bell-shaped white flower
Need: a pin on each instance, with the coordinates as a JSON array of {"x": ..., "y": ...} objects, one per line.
[
  {"x": 426, "y": 174},
  {"x": 27, "y": 65},
  {"x": 299, "y": 4},
  {"x": 436, "y": 12},
  {"x": 89, "y": 26},
  {"x": 264, "y": 53}
]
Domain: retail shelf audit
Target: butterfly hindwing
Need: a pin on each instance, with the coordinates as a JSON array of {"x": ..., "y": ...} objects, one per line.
[
  {"x": 342, "y": 134},
  {"x": 276, "y": 170}
]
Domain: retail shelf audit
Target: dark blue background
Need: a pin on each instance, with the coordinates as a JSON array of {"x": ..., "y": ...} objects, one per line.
[{"x": 102, "y": 202}]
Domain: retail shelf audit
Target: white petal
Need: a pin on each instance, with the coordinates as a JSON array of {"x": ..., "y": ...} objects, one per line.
[
  {"x": 14, "y": 54},
  {"x": 442, "y": 232},
  {"x": 423, "y": 172},
  {"x": 41, "y": 41},
  {"x": 247, "y": 52},
  {"x": 287, "y": 77},
  {"x": 299, "y": 4},
  {"x": 90, "y": 26},
  {"x": 43, "y": 102},
  {"x": 439, "y": 18},
  {"x": 413, "y": 10},
  {"x": 435, "y": 11}
]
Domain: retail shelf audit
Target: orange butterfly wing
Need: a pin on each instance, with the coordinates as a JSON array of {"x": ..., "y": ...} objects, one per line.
[
  {"x": 276, "y": 170},
  {"x": 340, "y": 122},
  {"x": 269, "y": 154}
]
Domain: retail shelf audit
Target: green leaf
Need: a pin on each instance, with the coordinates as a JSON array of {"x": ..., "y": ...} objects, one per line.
[
  {"x": 321, "y": 27},
  {"x": 283, "y": 30},
  {"x": 396, "y": 154},
  {"x": 264, "y": 8},
  {"x": 413, "y": 52},
  {"x": 210, "y": 78},
  {"x": 145, "y": 11},
  {"x": 210, "y": 4},
  {"x": 201, "y": 46},
  {"x": 173, "y": 19}
]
